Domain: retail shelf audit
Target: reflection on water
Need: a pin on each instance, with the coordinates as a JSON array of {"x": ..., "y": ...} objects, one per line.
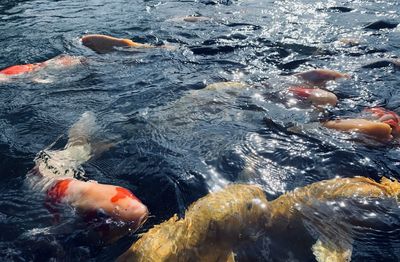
[{"x": 176, "y": 140}]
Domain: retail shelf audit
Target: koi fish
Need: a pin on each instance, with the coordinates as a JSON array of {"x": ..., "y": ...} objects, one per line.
[
  {"x": 58, "y": 62},
  {"x": 90, "y": 197},
  {"x": 316, "y": 96},
  {"x": 349, "y": 42},
  {"x": 226, "y": 85},
  {"x": 56, "y": 173},
  {"x": 387, "y": 117},
  {"x": 105, "y": 43},
  {"x": 222, "y": 221},
  {"x": 321, "y": 76},
  {"x": 378, "y": 130},
  {"x": 194, "y": 19},
  {"x": 395, "y": 63}
]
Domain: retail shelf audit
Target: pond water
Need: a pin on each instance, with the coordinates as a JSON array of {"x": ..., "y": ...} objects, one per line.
[{"x": 175, "y": 141}]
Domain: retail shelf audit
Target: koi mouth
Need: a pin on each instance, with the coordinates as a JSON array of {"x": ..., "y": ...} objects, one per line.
[
  {"x": 143, "y": 219},
  {"x": 386, "y": 116}
]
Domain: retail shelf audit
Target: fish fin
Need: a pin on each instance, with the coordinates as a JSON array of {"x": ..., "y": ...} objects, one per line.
[
  {"x": 99, "y": 147},
  {"x": 79, "y": 148},
  {"x": 231, "y": 257},
  {"x": 47, "y": 80},
  {"x": 227, "y": 257},
  {"x": 81, "y": 132},
  {"x": 325, "y": 252}
]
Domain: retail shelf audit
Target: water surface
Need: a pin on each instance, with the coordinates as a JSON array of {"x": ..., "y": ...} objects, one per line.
[{"x": 177, "y": 142}]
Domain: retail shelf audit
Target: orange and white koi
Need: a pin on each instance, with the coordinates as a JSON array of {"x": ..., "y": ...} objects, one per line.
[
  {"x": 58, "y": 62},
  {"x": 57, "y": 171},
  {"x": 90, "y": 197}
]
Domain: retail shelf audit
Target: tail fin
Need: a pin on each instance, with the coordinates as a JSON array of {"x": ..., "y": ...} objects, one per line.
[
  {"x": 77, "y": 151},
  {"x": 82, "y": 131},
  {"x": 81, "y": 134},
  {"x": 79, "y": 147}
]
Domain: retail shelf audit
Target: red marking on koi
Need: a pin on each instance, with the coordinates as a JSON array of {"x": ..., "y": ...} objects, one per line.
[
  {"x": 122, "y": 193},
  {"x": 18, "y": 69},
  {"x": 392, "y": 118},
  {"x": 301, "y": 91},
  {"x": 59, "y": 190}
]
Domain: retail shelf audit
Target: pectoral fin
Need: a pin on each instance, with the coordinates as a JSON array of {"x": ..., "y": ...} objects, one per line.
[
  {"x": 326, "y": 252},
  {"x": 231, "y": 257}
]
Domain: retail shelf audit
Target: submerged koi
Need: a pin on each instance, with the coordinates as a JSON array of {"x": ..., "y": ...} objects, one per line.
[
  {"x": 317, "y": 96},
  {"x": 20, "y": 69},
  {"x": 387, "y": 117},
  {"x": 378, "y": 130},
  {"x": 321, "y": 76},
  {"x": 58, "y": 62},
  {"x": 105, "y": 43}
]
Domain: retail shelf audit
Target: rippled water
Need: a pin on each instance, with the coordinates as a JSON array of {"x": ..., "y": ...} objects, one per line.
[{"x": 176, "y": 142}]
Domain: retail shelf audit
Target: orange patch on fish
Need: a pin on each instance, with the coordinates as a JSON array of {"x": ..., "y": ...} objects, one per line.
[
  {"x": 59, "y": 190},
  {"x": 18, "y": 69},
  {"x": 122, "y": 193}
]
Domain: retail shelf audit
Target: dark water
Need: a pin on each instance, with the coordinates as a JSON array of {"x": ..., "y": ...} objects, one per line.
[{"x": 176, "y": 142}]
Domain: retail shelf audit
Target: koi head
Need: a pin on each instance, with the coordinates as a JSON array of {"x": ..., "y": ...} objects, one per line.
[
  {"x": 387, "y": 117},
  {"x": 128, "y": 208}
]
